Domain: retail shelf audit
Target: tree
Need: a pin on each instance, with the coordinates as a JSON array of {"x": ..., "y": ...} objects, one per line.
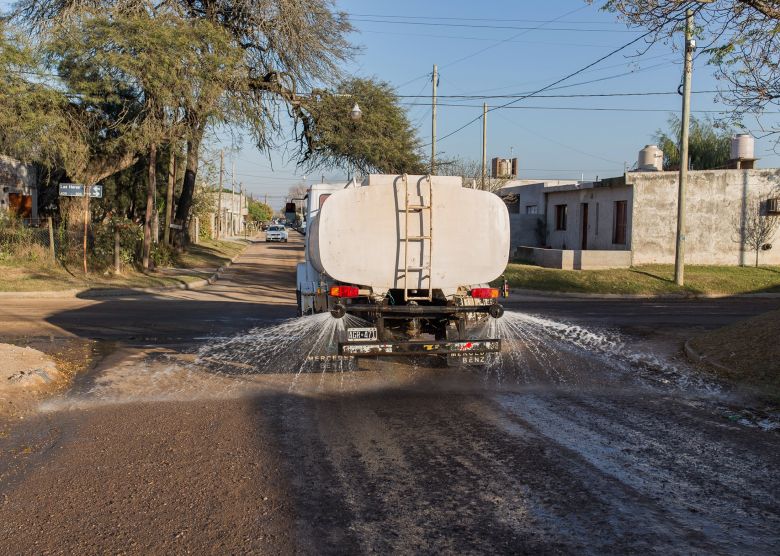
[
  {"x": 743, "y": 44},
  {"x": 381, "y": 141},
  {"x": 285, "y": 46},
  {"x": 259, "y": 212},
  {"x": 757, "y": 226},
  {"x": 37, "y": 123},
  {"x": 708, "y": 146}
]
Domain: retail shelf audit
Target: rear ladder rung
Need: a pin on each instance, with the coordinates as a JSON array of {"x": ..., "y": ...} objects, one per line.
[
  {"x": 418, "y": 207},
  {"x": 418, "y": 238}
]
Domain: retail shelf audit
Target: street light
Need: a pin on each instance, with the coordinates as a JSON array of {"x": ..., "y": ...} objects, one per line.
[{"x": 356, "y": 112}]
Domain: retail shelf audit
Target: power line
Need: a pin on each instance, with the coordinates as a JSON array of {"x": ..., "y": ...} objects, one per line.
[
  {"x": 551, "y": 85},
  {"x": 572, "y": 108},
  {"x": 578, "y": 95},
  {"x": 482, "y": 18},
  {"x": 482, "y": 26}
]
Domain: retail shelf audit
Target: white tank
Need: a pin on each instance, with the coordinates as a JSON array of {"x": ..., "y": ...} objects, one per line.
[
  {"x": 358, "y": 236},
  {"x": 742, "y": 146},
  {"x": 651, "y": 158}
]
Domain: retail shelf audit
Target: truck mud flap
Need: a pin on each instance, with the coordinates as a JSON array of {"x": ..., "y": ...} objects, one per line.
[{"x": 459, "y": 348}]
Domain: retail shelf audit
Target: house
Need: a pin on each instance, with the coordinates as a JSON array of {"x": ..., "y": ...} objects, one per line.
[
  {"x": 631, "y": 219},
  {"x": 18, "y": 188}
]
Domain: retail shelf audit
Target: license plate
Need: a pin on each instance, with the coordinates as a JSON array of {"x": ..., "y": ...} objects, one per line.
[{"x": 361, "y": 334}]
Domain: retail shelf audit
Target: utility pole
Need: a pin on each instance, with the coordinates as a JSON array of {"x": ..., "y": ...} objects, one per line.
[
  {"x": 240, "y": 205},
  {"x": 484, "y": 142},
  {"x": 219, "y": 196},
  {"x": 233, "y": 199},
  {"x": 433, "y": 120},
  {"x": 679, "y": 255}
]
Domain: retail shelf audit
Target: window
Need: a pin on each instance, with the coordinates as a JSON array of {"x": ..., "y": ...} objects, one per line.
[
  {"x": 531, "y": 209},
  {"x": 323, "y": 198},
  {"x": 619, "y": 233},
  {"x": 560, "y": 217}
]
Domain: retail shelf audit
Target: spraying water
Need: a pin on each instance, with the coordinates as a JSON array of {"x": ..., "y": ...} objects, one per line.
[{"x": 539, "y": 350}]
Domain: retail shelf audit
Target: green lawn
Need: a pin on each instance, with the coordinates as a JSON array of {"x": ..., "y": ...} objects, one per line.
[
  {"x": 38, "y": 274},
  {"x": 647, "y": 279}
]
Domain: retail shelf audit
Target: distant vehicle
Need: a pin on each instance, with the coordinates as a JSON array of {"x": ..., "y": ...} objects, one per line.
[
  {"x": 277, "y": 232},
  {"x": 411, "y": 255},
  {"x": 263, "y": 226}
]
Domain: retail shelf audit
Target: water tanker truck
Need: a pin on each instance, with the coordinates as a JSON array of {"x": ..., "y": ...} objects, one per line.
[{"x": 411, "y": 256}]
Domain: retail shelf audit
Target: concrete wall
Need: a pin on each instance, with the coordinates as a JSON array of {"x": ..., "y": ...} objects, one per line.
[
  {"x": 715, "y": 205},
  {"x": 574, "y": 259},
  {"x": 601, "y": 216},
  {"x": 16, "y": 177}
]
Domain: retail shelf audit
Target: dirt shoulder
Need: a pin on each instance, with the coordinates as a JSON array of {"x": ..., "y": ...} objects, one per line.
[
  {"x": 198, "y": 263},
  {"x": 746, "y": 353}
]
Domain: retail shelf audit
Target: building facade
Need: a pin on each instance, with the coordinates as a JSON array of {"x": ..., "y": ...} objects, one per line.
[
  {"x": 636, "y": 215},
  {"x": 18, "y": 188}
]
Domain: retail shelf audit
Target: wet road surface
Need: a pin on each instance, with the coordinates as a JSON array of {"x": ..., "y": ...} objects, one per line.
[{"x": 580, "y": 443}]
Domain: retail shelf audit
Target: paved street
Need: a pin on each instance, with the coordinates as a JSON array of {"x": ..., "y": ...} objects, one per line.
[{"x": 593, "y": 436}]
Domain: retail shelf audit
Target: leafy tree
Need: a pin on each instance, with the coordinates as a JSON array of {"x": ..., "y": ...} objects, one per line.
[
  {"x": 708, "y": 146},
  {"x": 285, "y": 46},
  {"x": 381, "y": 141},
  {"x": 742, "y": 43},
  {"x": 259, "y": 212},
  {"x": 37, "y": 123}
]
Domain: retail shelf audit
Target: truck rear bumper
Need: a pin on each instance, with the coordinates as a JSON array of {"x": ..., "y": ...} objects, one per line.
[
  {"x": 420, "y": 347},
  {"x": 412, "y": 311}
]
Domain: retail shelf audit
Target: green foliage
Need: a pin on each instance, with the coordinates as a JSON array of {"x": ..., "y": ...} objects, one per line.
[
  {"x": 35, "y": 123},
  {"x": 382, "y": 140},
  {"x": 708, "y": 146},
  {"x": 259, "y": 212}
]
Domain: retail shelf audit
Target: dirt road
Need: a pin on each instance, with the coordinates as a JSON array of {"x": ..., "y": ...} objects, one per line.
[{"x": 582, "y": 443}]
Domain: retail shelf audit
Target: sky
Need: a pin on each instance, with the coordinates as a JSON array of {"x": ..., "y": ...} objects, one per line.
[{"x": 505, "y": 47}]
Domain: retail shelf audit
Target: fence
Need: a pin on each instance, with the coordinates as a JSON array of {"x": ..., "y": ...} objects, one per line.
[{"x": 46, "y": 241}]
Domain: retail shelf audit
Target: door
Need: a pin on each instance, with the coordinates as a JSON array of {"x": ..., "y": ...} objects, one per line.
[{"x": 584, "y": 220}]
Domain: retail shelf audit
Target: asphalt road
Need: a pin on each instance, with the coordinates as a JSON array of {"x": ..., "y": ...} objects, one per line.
[{"x": 591, "y": 436}]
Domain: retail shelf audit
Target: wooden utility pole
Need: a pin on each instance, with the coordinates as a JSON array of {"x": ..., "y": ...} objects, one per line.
[
  {"x": 86, "y": 225},
  {"x": 169, "y": 195},
  {"x": 150, "y": 191},
  {"x": 484, "y": 143},
  {"x": 679, "y": 255},
  {"x": 219, "y": 195},
  {"x": 433, "y": 120}
]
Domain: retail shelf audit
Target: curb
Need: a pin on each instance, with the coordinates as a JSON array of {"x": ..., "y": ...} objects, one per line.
[
  {"x": 518, "y": 293},
  {"x": 696, "y": 357},
  {"x": 87, "y": 293}
]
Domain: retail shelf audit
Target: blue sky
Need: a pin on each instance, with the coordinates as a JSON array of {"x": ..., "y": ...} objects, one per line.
[{"x": 503, "y": 47}]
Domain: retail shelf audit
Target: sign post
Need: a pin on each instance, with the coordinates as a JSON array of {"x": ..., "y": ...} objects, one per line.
[{"x": 87, "y": 192}]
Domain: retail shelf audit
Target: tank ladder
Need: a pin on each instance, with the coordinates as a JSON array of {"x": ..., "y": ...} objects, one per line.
[{"x": 424, "y": 239}]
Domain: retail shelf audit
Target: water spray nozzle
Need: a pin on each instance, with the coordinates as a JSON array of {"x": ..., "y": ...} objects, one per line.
[
  {"x": 496, "y": 311},
  {"x": 338, "y": 311}
]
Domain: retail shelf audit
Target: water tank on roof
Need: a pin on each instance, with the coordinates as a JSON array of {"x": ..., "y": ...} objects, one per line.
[
  {"x": 742, "y": 146},
  {"x": 651, "y": 158}
]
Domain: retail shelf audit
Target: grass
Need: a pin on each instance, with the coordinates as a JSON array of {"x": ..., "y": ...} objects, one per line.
[
  {"x": 647, "y": 280},
  {"x": 37, "y": 273},
  {"x": 746, "y": 353}
]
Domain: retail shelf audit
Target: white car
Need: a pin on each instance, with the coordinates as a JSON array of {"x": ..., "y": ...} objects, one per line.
[{"x": 276, "y": 232}]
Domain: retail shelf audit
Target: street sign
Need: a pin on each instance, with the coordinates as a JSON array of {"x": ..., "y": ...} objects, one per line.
[{"x": 77, "y": 190}]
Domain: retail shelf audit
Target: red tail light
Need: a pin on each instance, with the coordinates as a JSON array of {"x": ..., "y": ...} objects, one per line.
[
  {"x": 484, "y": 293},
  {"x": 344, "y": 291}
]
